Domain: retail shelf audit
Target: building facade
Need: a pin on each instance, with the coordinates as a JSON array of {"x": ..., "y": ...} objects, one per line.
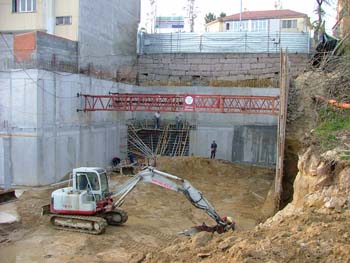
[
  {"x": 270, "y": 21},
  {"x": 60, "y": 18},
  {"x": 342, "y": 27},
  {"x": 106, "y": 31}
]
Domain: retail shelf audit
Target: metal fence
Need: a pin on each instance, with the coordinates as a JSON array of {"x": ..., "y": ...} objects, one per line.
[{"x": 223, "y": 42}]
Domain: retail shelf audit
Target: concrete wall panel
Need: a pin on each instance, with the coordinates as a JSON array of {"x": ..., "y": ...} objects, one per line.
[
  {"x": 2, "y": 161},
  {"x": 255, "y": 144},
  {"x": 107, "y": 35},
  {"x": 24, "y": 160},
  {"x": 202, "y": 137}
]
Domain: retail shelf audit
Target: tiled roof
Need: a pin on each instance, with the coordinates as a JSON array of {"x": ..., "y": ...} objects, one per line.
[{"x": 285, "y": 13}]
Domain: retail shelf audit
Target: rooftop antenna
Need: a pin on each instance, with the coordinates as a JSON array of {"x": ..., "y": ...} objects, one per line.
[{"x": 278, "y": 4}]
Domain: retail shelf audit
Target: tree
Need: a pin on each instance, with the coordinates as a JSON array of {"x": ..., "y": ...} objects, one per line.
[
  {"x": 222, "y": 14},
  {"x": 319, "y": 24},
  {"x": 209, "y": 17}
]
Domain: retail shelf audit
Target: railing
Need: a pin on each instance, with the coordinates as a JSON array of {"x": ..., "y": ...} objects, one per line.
[{"x": 223, "y": 42}]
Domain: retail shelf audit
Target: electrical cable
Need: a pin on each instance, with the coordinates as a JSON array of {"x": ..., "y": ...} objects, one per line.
[{"x": 30, "y": 77}]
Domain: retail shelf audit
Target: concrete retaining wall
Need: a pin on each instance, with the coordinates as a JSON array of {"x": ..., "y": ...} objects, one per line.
[
  {"x": 42, "y": 136},
  {"x": 254, "y": 70},
  {"x": 244, "y": 138}
]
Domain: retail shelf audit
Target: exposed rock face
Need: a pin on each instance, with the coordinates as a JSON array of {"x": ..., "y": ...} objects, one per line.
[
  {"x": 321, "y": 183},
  {"x": 314, "y": 227}
]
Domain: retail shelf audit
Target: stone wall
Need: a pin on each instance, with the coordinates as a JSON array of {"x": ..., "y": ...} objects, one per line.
[{"x": 236, "y": 70}]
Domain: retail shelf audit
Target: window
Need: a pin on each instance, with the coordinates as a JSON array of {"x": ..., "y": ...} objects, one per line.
[
  {"x": 63, "y": 20},
  {"x": 238, "y": 24},
  {"x": 259, "y": 25},
  {"x": 23, "y": 6},
  {"x": 87, "y": 181},
  {"x": 227, "y": 26},
  {"x": 104, "y": 182},
  {"x": 244, "y": 26},
  {"x": 289, "y": 23}
]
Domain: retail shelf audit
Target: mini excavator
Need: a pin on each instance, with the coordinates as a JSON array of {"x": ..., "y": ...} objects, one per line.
[{"x": 88, "y": 206}]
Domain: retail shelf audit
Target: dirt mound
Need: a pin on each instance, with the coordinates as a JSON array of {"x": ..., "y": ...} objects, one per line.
[{"x": 313, "y": 228}]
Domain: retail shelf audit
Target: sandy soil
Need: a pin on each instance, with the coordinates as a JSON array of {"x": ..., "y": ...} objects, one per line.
[{"x": 155, "y": 215}]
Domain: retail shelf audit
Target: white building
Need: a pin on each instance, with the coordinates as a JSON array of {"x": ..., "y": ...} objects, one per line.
[{"x": 271, "y": 21}]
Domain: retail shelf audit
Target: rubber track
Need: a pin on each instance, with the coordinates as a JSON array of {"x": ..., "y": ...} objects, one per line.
[{"x": 100, "y": 220}]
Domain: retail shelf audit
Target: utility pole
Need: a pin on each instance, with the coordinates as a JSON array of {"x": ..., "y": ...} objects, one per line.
[
  {"x": 153, "y": 15},
  {"x": 192, "y": 14},
  {"x": 240, "y": 18}
]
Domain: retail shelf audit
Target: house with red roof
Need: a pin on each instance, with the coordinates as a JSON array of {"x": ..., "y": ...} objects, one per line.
[{"x": 268, "y": 21}]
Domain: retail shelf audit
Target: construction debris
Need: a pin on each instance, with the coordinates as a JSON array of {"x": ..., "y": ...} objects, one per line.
[{"x": 7, "y": 195}]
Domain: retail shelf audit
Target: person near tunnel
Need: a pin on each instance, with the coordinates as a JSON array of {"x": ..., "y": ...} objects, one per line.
[{"x": 213, "y": 148}]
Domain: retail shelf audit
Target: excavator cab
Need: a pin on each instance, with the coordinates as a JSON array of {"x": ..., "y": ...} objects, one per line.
[{"x": 92, "y": 180}]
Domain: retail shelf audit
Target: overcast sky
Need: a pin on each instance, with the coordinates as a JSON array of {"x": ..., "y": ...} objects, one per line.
[{"x": 175, "y": 7}]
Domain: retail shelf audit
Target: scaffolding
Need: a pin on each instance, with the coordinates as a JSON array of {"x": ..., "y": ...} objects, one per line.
[{"x": 169, "y": 140}]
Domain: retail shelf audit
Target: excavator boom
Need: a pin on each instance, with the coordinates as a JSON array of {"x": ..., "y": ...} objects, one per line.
[{"x": 168, "y": 181}]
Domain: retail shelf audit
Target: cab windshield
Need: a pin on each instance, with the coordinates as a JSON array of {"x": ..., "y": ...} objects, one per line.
[
  {"x": 104, "y": 182},
  {"x": 87, "y": 181}
]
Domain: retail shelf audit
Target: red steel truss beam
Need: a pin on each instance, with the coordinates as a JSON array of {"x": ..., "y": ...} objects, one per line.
[{"x": 182, "y": 103}]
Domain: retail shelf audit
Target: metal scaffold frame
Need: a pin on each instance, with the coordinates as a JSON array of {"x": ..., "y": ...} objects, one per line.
[{"x": 268, "y": 105}]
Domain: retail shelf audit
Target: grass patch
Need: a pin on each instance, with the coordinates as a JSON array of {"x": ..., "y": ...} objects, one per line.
[
  {"x": 345, "y": 157},
  {"x": 332, "y": 124}
]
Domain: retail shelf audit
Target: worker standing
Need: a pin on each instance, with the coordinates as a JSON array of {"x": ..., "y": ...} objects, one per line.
[
  {"x": 178, "y": 122},
  {"x": 213, "y": 148},
  {"x": 157, "y": 117},
  {"x": 131, "y": 158}
]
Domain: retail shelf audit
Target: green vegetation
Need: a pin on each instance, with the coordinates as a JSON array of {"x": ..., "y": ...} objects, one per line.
[{"x": 334, "y": 123}]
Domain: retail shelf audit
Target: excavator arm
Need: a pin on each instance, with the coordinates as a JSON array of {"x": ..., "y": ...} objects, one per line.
[{"x": 171, "y": 182}]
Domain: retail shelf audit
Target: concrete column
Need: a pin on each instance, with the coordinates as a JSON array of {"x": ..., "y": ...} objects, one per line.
[{"x": 49, "y": 16}]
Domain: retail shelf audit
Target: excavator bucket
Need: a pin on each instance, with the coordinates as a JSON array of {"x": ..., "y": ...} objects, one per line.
[{"x": 7, "y": 195}]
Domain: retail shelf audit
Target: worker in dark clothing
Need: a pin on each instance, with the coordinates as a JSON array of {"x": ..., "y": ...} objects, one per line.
[
  {"x": 178, "y": 122},
  {"x": 213, "y": 148},
  {"x": 157, "y": 117},
  {"x": 131, "y": 158},
  {"x": 115, "y": 161}
]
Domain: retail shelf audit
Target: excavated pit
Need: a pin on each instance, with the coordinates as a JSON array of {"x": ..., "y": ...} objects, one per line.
[{"x": 155, "y": 215}]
